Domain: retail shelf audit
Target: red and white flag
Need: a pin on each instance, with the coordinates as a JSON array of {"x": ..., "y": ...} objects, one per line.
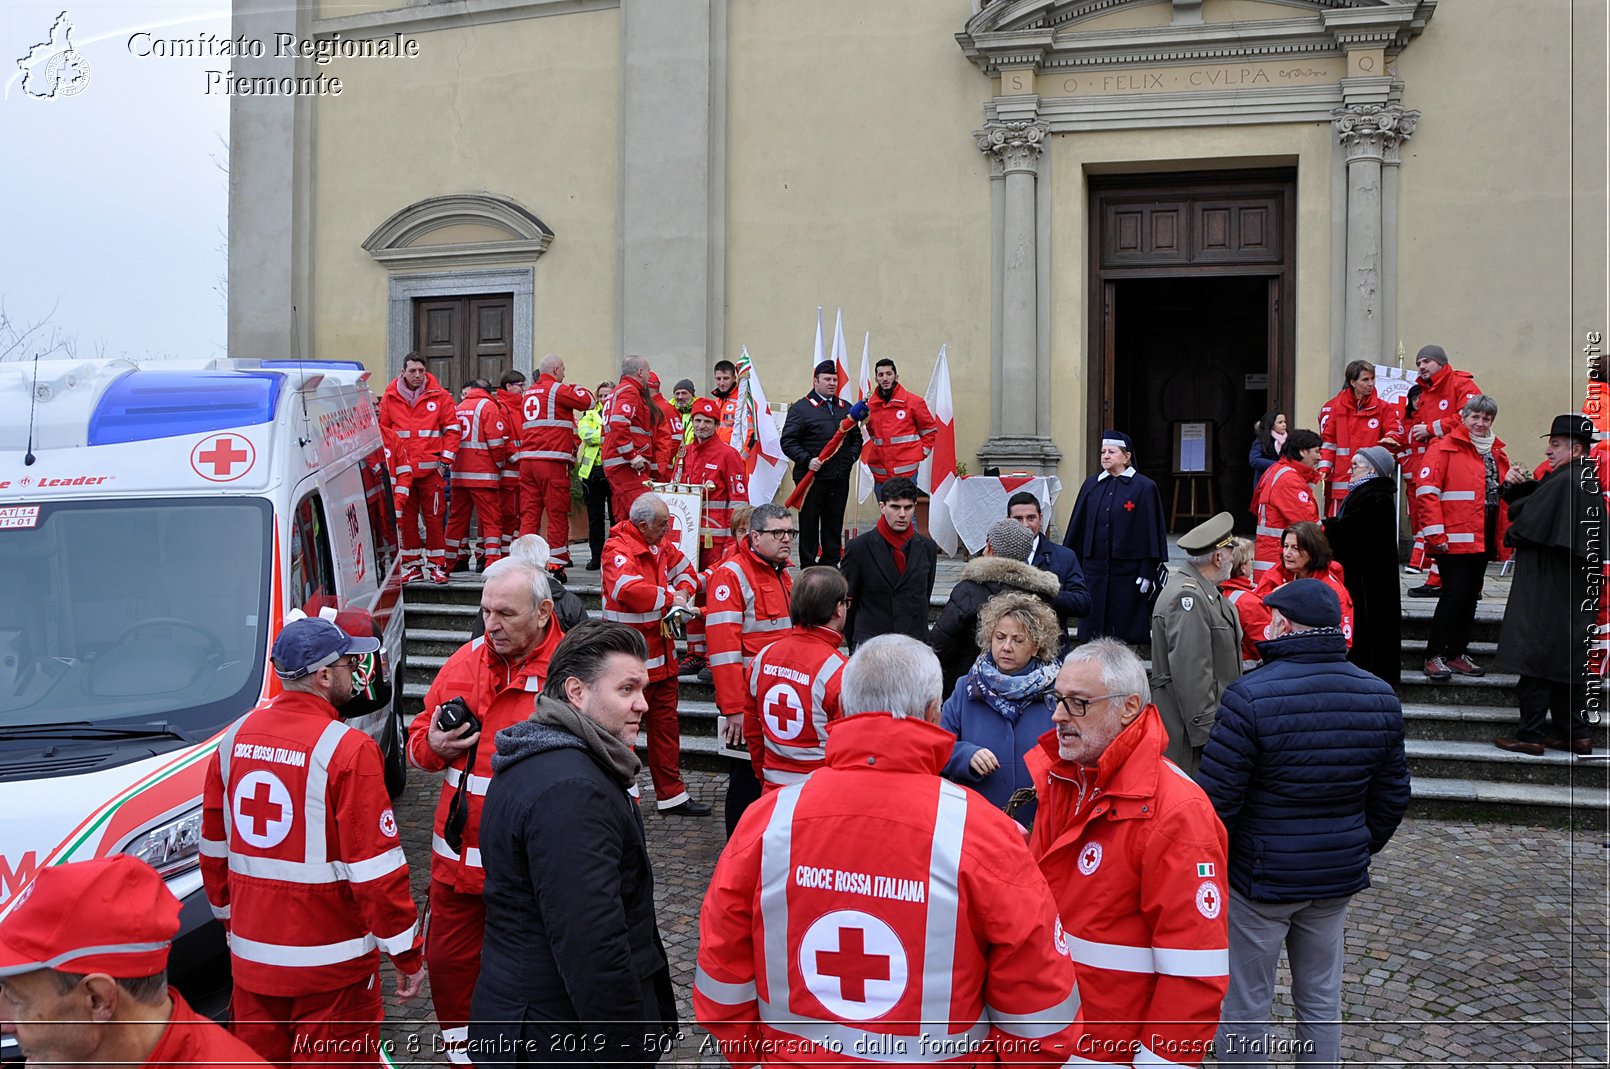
[
  {"x": 841, "y": 360},
  {"x": 938, "y": 473},
  {"x": 756, "y": 429},
  {"x": 863, "y": 388},
  {"x": 818, "y": 354}
]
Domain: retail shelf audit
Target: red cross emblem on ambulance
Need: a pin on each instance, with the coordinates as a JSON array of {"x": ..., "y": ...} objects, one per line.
[{"x": 223, "y": 458}]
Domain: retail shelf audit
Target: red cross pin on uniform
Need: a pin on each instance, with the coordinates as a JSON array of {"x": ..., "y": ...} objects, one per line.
[
  {"x": 1129, "y": 506},
  {"x": 223, "y": 458}
]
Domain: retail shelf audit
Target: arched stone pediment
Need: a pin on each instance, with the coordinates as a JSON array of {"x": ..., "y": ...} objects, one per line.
[{"x": 460, "y": 228}]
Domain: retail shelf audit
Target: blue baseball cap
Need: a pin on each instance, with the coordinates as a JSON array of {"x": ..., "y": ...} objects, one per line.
[{"x": 307, "y": 645}]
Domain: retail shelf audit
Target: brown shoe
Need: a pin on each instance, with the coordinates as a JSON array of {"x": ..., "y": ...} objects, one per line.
[
  {"x": 1464, "y": 666},
  {"x": 1535, "y": 749},
  {"x": 1437, "y": 670},
  {"x": 1582, "y": 747}
]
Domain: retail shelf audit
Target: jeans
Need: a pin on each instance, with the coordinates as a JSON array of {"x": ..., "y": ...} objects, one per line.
[{"x": 1312, "y": 934}]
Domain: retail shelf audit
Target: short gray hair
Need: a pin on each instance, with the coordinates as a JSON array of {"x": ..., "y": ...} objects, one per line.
[
  {"x": 536, "y": 577},
  {"x": 549, "y": 362},
  {"x": 636, "y": 366},
  {"x": 1122, "y": 671},
  {"x": 1198, "y": 560},
  {"x": 891, "y": 674},
  {"x": 760, "y": 514},
  {"x": 645, "y": 508},
  {"x": 1480, "y": 403},
  {"x": 532, "y": 549}
]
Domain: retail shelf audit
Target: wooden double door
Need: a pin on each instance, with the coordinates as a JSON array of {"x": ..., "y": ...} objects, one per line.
[{"x": 465, "y": 338}]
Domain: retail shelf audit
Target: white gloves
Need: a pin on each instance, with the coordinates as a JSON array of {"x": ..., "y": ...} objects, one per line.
[{"x": 1144, "y": 584}]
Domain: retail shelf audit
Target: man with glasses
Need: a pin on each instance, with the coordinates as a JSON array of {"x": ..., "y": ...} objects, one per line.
[
  {"x": 306, "y": 907},
  {"x": 746, "y": 598},
  {"x": 1135, "y": 858}
]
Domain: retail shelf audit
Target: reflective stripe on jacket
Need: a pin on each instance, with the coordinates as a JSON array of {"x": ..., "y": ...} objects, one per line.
[
  {"x": 900, "y": 432},
  {"x": 549, "y": 410},
  {"x": 428, "y": 428},
  {"x": 483, "y": 448},
  {"x": 1285, "y": 496},
  {"x": 746, "y": 607},
  {"x": 1451, "y": 487},
  {"x": 793, "y": 696},
  {"x": 640, "y": 583}
]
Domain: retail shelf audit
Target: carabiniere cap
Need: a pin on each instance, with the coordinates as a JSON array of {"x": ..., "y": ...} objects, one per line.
[{"x": 1208, "y": 535}]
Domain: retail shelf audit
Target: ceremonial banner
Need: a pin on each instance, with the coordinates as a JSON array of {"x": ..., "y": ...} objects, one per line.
[
  {"x": 1392, "y": 383},
  {"x": 685, "y": 502},
  {"x": 841, "y": 361},
  {"x": 755, "y": 435},
  {"x": 937, "y": 475}
]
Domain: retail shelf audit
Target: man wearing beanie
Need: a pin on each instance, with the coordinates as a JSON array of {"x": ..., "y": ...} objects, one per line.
[
  {"x": 682, "y": 397},
  {"x": 811, "y": 421},
  {"x": 1363, "y": 535},
  {"x": 1443, "y": 393},
  {"x": 1305, "y": 767},
  {"x": 1003, "y": 567},
  {"x": 83, "y": 973}
]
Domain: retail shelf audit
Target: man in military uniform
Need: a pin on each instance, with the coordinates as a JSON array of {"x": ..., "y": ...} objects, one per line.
[{"x": 1196, "y": 641}]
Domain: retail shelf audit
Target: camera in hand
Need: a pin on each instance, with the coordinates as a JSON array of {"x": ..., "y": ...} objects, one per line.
[{"x": 454, "y": 714}]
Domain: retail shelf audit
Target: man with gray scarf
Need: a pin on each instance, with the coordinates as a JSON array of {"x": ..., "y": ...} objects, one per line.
[{"x": 573, "y": 969}]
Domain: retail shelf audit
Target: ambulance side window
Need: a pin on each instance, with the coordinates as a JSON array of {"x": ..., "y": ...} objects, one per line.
[
  {"x": 312, "y": 568},
  {"x": 382, "y": 515}
]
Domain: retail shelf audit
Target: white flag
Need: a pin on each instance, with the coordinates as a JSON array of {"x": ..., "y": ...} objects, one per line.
[
  {"x": 940, "y": 467},
  {"x": 754, "y": 434},
  {"x": 841, "y": 360},
  {"x": 864, "y": 483},
  {"x": 817, "y": 355}
]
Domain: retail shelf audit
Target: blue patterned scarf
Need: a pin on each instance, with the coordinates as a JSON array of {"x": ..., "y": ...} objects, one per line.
[{"x": 1008, "y": 694}]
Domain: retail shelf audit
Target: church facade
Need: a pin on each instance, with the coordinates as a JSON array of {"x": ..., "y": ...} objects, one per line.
[{"x": 1165, "y": 216}]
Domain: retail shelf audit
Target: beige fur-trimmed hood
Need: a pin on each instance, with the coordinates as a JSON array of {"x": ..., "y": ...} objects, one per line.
[{"x": 1012, "y": 573}]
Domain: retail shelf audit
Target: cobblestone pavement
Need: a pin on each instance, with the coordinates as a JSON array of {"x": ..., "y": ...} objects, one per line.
[{"x": 1477, "y": 945}]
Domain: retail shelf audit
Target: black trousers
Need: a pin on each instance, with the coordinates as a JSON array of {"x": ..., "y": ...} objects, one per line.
[
  {"x": 595, "y": 491},
  {"x": 1455, "y": 618},
  {"x": 1538, "y": 698},
  {"x": 743, "y": 790},
  {"x": 821, "y": 521}
]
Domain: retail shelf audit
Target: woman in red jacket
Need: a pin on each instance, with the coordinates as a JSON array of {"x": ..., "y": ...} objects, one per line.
[
  {"x": 1356, "y": 418},
  {"x": 1287, "y": 494},
  {"x": 1305, "y": 553},
  {"x": 1458, "y": 485}
]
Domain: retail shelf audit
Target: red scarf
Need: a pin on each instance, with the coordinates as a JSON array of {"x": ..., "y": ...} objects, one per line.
[{"x": 897, "y": 542}]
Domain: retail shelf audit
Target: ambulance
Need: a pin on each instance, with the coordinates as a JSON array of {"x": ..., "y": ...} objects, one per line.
[{"x": 158, "y": 523}]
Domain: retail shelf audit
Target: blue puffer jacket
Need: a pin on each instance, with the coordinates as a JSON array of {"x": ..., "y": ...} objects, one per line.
[{"x": 1306, "y": 769}]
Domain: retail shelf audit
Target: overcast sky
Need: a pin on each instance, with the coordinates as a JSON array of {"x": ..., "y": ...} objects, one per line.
[{"x": 115, "y": 206}]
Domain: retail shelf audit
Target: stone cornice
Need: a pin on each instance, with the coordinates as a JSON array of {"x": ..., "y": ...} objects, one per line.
[{"x": 422, "y": 18}]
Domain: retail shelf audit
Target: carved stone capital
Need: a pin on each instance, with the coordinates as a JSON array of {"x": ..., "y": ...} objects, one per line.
[
  {"x": 1373, "y": 131},
  {"x": 1016, "y": 144}
]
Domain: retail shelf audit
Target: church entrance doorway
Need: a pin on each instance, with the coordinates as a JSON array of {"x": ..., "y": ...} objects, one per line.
[{"x": 1191, "y": 276}]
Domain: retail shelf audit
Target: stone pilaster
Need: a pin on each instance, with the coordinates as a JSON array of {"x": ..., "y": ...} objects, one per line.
[{"x": 1367, "y": 134}]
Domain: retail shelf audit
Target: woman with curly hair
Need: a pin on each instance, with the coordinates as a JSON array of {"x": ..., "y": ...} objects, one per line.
[{"x": 999, "y": 709}]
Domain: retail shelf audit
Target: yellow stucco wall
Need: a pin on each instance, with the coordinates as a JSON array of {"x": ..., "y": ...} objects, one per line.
[
  {"x": 527, "y": 110},
  {"x": 853, "y": 181}
]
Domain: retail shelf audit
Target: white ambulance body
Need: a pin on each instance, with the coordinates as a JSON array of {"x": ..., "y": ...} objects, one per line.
[{"x": 157, "y": 524}]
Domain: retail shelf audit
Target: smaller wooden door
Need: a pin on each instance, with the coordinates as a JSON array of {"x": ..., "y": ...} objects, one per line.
[{"x": 464, "y": 338}]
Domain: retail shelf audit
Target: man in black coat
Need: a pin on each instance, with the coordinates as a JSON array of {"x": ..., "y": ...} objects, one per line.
[
  {"x": 891, "y": 570},
  {"x": 1556, "y": 525},
  {"x": 1073, "y": 596},
  {"x": 811, "y": 422},
  {"x": 1306, "y": 768},
  {"x": 572, "y": 969}
]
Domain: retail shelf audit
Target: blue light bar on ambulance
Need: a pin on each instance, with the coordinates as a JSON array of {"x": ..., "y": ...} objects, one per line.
[
  {"x": 165, "y": 404},
  {"x": 294, "y": 365}
]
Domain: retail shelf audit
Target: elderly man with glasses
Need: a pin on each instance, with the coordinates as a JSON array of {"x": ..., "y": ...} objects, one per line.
[
  {"x": 746, "y": 599},
  {"x": 1135, "y": 856}
]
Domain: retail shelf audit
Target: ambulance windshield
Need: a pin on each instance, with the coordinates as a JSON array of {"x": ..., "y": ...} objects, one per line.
[{"x": 133, "y": 612}]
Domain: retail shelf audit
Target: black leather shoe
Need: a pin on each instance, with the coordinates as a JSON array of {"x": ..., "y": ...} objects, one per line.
[
  {"x": 1425, "y": 592},
  {"x": 594, "y": 565},
  {"x": 690, "y": 808}
]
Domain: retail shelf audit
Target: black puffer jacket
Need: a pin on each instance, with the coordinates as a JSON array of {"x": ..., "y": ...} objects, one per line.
[
  {"x": 955, "y": 634},
  {"x": 1306, "y": 768}
]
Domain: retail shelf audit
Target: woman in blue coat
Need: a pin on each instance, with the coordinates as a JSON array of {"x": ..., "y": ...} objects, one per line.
[{"x": 998, "y": 710}]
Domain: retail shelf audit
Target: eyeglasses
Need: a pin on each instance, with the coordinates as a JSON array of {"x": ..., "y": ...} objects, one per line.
[
  {"x": 779, "y": 532},
  {"x": 1075, "y": 706},
  {"x": 350, "y": 661}
]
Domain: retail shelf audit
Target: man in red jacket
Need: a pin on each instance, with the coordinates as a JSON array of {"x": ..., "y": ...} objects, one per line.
[
  {"x": 549, "y": 438},
  {"x": 511, "y": 390},
  {"x": 628, "y": 446},
  {"x": 83, "y": 973},
  {"x": 306, "y": 907},
  {"x": 483, "y": 454},
  {"x": 1135, "y": 856},
  {"x": 498, "y": 676},
  {"x": 1443, "y": 393},
  {"x": 793, "y": 692},
  {"x": 876, "y": 913},
  {"x": 667, "y": 434},
  {"x": 644, "y": 576},
  {"x": 713, "y": 464},
  {"x": 422, "y": 414},
  {"x": 900, "y": 431}
]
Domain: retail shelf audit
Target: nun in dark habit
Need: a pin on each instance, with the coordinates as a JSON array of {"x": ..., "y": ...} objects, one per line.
[{"x": 1117, "y": 530}]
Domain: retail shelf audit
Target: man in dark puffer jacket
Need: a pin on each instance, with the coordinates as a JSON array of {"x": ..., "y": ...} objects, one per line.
[
  {"x": 1003, "y": 568},
  {"x": 1306, "y": 769}
]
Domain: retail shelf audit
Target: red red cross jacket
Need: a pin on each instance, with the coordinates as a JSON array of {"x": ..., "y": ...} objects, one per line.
[
  {"x": 1252, "y": 613},
  {"x": 640, "y": 582},
  {"x": 1135, "y": 857},
  {"x": 716, "y": 466},
  {"x": 1442, "y": 398},
  {"x": 746, "y": 607},
  {"x": 299, "y": 851},
  {"x": 1452, "y": 488},
  {"x": 877, "y": 914},
  {"x": 899, "y": 434},
  {"x": 1278, "y": 577},
  {"x": 1285, "y": 496},
  {"x": 793, "y": 695},
  {"x": 627, "y": 429},
  {"x": 501, "y": 694},
  {"x": 428, "y": 426},
  {"x": 189, "y": 1039},
  {"x": 1346, "y": 427},
  {"x": 397, "y": 465},
  {"x": 483, "y": 448},
  {"x": 551, "y": 408},
  {"x": 512, "y": 404},
  {"x": 667, "y": 437}
]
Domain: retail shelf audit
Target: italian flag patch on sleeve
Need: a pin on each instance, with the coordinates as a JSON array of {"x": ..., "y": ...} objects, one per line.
[{"x": 1204, "y": 869}]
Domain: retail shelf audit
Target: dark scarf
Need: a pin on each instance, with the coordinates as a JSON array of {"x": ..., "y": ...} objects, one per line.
[
  {"x": 897, "y": 544},
  {"x": 1010, "y": 694},
  {"x": 558, "y": 725}
]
